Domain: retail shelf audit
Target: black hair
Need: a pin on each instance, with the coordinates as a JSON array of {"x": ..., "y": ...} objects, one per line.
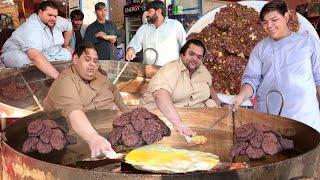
[
  {"x": 99, "y": 6},
  {"x": 83, "y": 47},
  {"x": 44, "y": 4},
  {"x": 157, "y": 5},
  {"x": 76, "y": 15},
  {"x": 274, "y": 5},
  {"x": 196, "y": 42}
]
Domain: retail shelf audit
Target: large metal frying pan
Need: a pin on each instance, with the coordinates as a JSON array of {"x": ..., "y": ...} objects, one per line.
[{"x": 303, "y": 162}]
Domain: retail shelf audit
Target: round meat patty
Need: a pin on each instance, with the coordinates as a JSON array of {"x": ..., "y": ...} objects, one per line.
[
  {"x": 140, "y": 142},
  {"x": 44, "y": 148},
  {"x": 35, "y": 127},
  {"x": 256, "y": 141},
  {"x": 286, "y": 143},
  {"x": 262, "y": 127},
  {"x": 122, "y": 120},
  {"x": 30, "y": 144},
  {"x": 254, "y": 153},
  {"x": 130, "y": 137},
  {"x": 270, "y": 143},
  {"x": 244, "y": 131},
  {"x": 16, "y": 93},
  {"x": 237, "y": 149},
  {"x": 152, "y": 131},
  {"x": 46, "y": 135},
  {"x": 50, "y": 123},
  {"x": 138, "y": 122},
  {"x": 57, "y": 140},
  {"x": 115, "y": 135},
  {"x": 165, "y": 130},
  {"x": 71, "y": 139}
]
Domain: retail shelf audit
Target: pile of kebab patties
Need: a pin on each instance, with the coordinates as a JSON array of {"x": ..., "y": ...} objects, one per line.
[
  {"x": 137, "y": 128},
  {"x": 257, "y": 140},
  {"x": 18, "y": 91},
  {"x": 45, "y": 136}
]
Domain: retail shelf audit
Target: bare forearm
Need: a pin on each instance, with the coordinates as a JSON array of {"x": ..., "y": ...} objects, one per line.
[
  {"x": 246, "y": 91},
  {"x": 214, "y": 96},
  {"x": 39, "y": 60},
  {"x": 67, "y": 37},
  {"x": 81, "y": 125},
  {"x": 165, "y": 105}
]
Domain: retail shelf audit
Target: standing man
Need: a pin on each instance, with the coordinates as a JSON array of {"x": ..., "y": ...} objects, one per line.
[
  {"x": 82, "y": 87},
  {"x": 285, "y": 61},
  {"x": 99, "y": 33},
  {"x": 182, "y": 83},
  {"x": 164, "y": 35},
  {"x": 78, "y": 29},
  {"x": 39, "y": 40}
]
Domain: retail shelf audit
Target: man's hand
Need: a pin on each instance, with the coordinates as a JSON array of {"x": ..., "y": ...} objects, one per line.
[
  {"x": 99, "y": 145},
  {"x": 82, "y": 126},
  {"x": 236, "y": 102},
  {"x": 101, "y": 34},
  {"x": 218, "y": 102},
  {"x": 245, "y": 93},
  {"x": 112, "y": 40},
  {"x": 68, "y": 48},
  {"x": 183, "y": 129},
  {"x": 130, "y": 54}
]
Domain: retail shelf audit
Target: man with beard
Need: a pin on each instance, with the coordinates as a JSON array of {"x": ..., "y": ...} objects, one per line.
[
  {"x": 76, "y": 17},
  {"x": 82, "y": 87},
  {"x": 39, "y": 40},
  {"x": 182, "y": 83},
  {"x": 164, "y": 35},
  {"x": 99, "y": 33}
]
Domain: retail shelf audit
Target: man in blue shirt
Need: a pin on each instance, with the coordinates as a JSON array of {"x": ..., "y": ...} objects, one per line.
[{"x": 39, "y": 40}]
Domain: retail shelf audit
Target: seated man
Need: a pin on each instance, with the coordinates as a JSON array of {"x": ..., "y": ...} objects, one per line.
[
  {"x": 182, "y": 83},
  {"x": 82, "y": 87},
  {"x": 39, "y": 40}
]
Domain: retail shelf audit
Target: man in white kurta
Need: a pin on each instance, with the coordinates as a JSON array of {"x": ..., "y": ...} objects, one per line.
[
  {"x": 164, "y": 35},
  {"x": 285, "y": 61}
]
